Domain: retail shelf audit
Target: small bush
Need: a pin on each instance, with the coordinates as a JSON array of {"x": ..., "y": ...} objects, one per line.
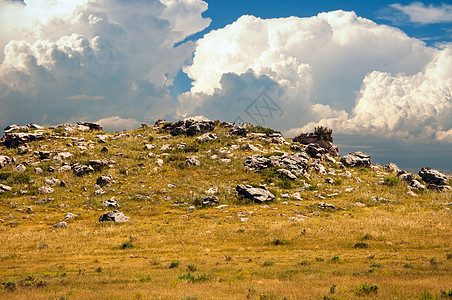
[
  {"x": 366, "y": 289},
  {"x": 278, "y": 242},
  {"x": 128, "y": 244},
  {"x": 361, "y": 245},
  {"x": 4, "y": 176},
  {"x": 267, "y": 263},
  {"x": 446, "y": 294},
  {"x": 174, "y": 264},
  {"x": 191, "y": 268},
  {"x": 367, "y": 236},
  {"x": 260, "y": 129},
  {"x": 336, "y": 258},
  {"x": 10, "y": 286},
  {"x": 391, "y": 181},
  {"x": 426, "y": 295},
  {"x": 324, "y": 132},
  {"x": 188, "y": 277}
]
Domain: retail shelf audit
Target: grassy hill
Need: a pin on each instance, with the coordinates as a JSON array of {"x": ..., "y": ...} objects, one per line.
[{"x": 352, "y": 233}]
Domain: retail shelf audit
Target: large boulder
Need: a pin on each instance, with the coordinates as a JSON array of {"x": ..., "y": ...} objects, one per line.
[
  {"x": 4, "y": 160},
  {"x": 256, "y": 163},
  {"x": 15, "y": 139},
  {"x": 295, "y": 163},
  {"x": 318, "y": 145},
  {"x": 238, "y": 130},
  {"x": 206, "y": 137},
  {"x": 80, "y": 169},
  {"x": 432, "y": 176},
  {"x": 104, "y": 180},
  {"x": 191, "y": 127},
  {"x": 113, "y": 216},
  {"x": 356, "y": 159},
  {"x": 92, "y": 126},
  {"x": 255, "y": 194}
]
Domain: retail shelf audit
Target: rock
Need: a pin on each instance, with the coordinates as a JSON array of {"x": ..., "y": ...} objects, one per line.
[
  {"x": 4, "y": 160},
  {"x": 405, "y": 176},
  {"x": 417, "y": 185},
  {"x": 238, "y": 130},
  {"x": 65, "y": 155},
  {"x": 44, "y": 155},
  {"x": 432, "y": 176},
  {"x": 319, "y": 169},
  {"x": 99, "y": 192},
  {"x": 62, "y": 224},
  {"x": 287, "y": 174},
  {"x": 322, "y": 144},
  {"x": 38, "y": 171},
  {"x": 166, "y": 147},
  {"x": 104, "y": 149},
  {"x": 276, "y": 138},
  {"x": 45, "y": 190},
  {"x": 315, "y": 151},
  {"x": 23, "y": 149},
  {"x": 104, "y": 180},
  {"x": 206, "y": 137},
  {"x": 392, "y": 167},
  {"x": 110, "y": 203},
  {"x": 20, "y": 168},
  {"x": 52, "y": 181},
  {"x": 439, "y": 188},
  {"x": 295, "y": 163},
  {"x": 212, "y": 191},
  {"x": 4, "y": 188},
  {"x": 192, "y": 161},
  {"x": 91, "y": 126},
  {"x": 14, "y": 140},
  {"x": 64, "y": 168},
  {"x": 255, "y": 194},
  {"x": 225, "y": 160},
  {"x": 324, "y": 205},
  {"x": 69, "y": 216},
  {"x": 99, "y": 164},
  {"x": 159, "y": 162},
  {"x": 356, "y": 159},
  {"x": 50, "y": 169},
  {"x": 113, "y": 216},
  {"x": 190, "y": 127},
  {"x": 256, "y": 163},
  {"x": 80, "y": 170},
  {"x": 207, "y": 201}
]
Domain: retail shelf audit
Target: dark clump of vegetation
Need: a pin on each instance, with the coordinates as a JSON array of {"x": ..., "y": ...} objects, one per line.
[
  {"x": 324, "y": 132},
  {"x": 188, "y": 277},
  {"x": 278, "y": 242},
  {"x": 128, "y": 244},
  {"x": 361, "y": 245},
  {"x": 366, "y": 289},
  {"x": 391, "y": 181},
  {"x": 260, "y": 129},
  {"x": 174, "y": 264}
]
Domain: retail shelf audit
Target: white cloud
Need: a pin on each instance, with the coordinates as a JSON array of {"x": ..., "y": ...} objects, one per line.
[
  {"x": 347, "y": 72},
  {"x": 418, "y": 12},
  {"x": 121, "y": 53},
  {"x": 116, "y": 123}
]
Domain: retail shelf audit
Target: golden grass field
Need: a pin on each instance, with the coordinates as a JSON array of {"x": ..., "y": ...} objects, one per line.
[{"x": 395, "y": 247}]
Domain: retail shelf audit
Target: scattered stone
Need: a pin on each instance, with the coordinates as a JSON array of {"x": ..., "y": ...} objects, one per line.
[
  {"x": 347, "y": 174},
  {"x": 52, "y": 181},
  {"x": 206, "y": 137},
  {"x": 212, "y": 191},
  {"x": 45, "y": 190},
  {"x": 4, "y": 188},
  {"x": 359, "y": 204},
  {"x": 405, "y": 176},
  {"x": 113, "y": 216},
  {"x": 62, "y": 224},
  {"x": 80, "y": 169},
  {"x": 38, "y": 171},
  {"x": 356, "y": 159},
  {"x": 23, "y": 149},
  {"x": 238, "y": 130},
  {"x": 207, "y": 201},
  {"x": 44, "y": 155},
  {"x": 192, "y": 161},
  {"x": 104, "y": 149},
  {"x": 69, "y": 216},
  {"x": 4, "y": 160},
  {"x": 417, "y": 185},
  {"x": 159, "y": 162},
  {"x": 20, "y": 168},
  {"x": 50, "y": 169},
  {"x": 276, "y": 138},
  {"x": 104, "y": 180},
  {"x": 64, "y": 168},
  {"x": 296, "y": 219},
  {"x": 319, "y": 168},
  {"x": 255, "y": 194},
  {"x": 99, "y": 192},
  {"x": 225, "y": 160},
  {"x": 99, "y": 164},
  {"x": 297, "y": 196},
  {"x": 392, "y": 167},
  {"x": 324, "y": 205},
  {"x": 320, "y": 144},
  {"x": 110, "y": 203},
  {"x": 166, "y": 147},
  {"x": 432, "y": 176}
]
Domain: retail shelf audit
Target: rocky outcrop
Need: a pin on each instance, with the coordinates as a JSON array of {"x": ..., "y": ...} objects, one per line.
[
  {"x": 91, "y": 126},
  {"x": 190, "y": 127},
  {"x": 104, "y": 180},
  {"x": 432, "y": 176},
  {"x": 207, "y": 201},
  {"x": 392, "y": 167},
  {"x": 15, "y": 139},
  {"x": 206, "y": 137},
  {"x": 295, "y": 163},
  {"x": 80, "y": 169},
  {"x": 405, "y": 176},
  {"x": 256, "y": 163},
  {"x": 113, "y": 216},
  {"x": 192, "y": 161},
  {"x": 4, "y": 188},
  {"x": 356, "y": 159},
  {"x": 238, "y": 130},
  {"x": 99, "y": 164},
  {"x": 259, "y": 195},
  {"x": 318, "y": 144},
  {"x": 110, "y": 203}
]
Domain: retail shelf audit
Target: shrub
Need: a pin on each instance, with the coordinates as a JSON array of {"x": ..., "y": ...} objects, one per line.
[
  {"x": 191, "y": 268},
  {"x": 361, "y": 245},
  {"x": 366, "y": 289},
  {"x": 128, "y": 244},
  {"x": 391, "y": 181},
  {"x": 188, "y": 277},
  {"x": 324, "y": 132},
  {"x": 446, "y": 294},
  {"x": 174, "y": 264},
  {"x": 267, "y": 263},
  {"x": 278, "y": 242},
  {"x": 260, "y": 129}
]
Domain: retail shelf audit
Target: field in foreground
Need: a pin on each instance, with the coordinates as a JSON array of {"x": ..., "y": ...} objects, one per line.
[{"x": 377, "y": 241}]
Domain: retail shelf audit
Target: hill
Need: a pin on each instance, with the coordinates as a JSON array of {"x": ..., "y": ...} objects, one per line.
[{"x": 210, "y": 210}]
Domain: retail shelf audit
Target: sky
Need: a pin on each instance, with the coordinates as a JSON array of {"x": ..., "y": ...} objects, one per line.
[{"x": 379, "y": 73}]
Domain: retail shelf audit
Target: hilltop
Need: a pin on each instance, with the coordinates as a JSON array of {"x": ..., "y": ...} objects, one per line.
[{"x": 212, "y": 210}]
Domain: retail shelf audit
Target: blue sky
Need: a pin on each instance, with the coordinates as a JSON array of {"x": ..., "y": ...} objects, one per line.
[{"x": 378, "y": 72}]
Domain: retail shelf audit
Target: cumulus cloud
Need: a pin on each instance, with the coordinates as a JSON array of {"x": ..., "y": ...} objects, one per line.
[
  {"x": 349, "y": 72},
  {"x": 418, "y": 12},
  {"x": 411, "y": 107},
  {"x": 122, "y": 54},
  {"x": 117, "y": 123}
]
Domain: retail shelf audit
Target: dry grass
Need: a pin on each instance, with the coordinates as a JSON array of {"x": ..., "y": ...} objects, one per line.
[{"x": 409, "y": 239}]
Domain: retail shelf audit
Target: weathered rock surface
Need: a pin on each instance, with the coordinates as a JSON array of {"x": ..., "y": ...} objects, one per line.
[
  {"x": 14, "y": 140},
  {"x": 192, "y": 161},
  {"x": 104, "y": 180},
  {"x": 110, "y": 203},
  {"x": 319, "y": 144},
  {"x": 356, "y": 159},
  {"x": 432, "y": 176},
  {"x": 4, "y": 188},
  {"x": 325, "y": 205},
  {"x": 91, "y": 126},
  {"x": 52, "y": 181},
  {"x": 206, "y": 137},
  {"x": 45, "y": 190},
  {"x": 287, "y": 174},
  {"x": 190, "y": 127},
  {"x": 207, "y": 201},
  {"x": 80, "y": 169},
  {"x": 113, "y": 216},
  {"x": 238, "y": 130},
  {"x": 392, "y": 167},
  {"x": 295, "y": 163},
  {"x": 99, "y": 164},
  {"x": 62, "y": 224},
  {"x": 20, "y": 168},
  {"x": 255, "y": 194},
  {"x": 4, "y": 160}
]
